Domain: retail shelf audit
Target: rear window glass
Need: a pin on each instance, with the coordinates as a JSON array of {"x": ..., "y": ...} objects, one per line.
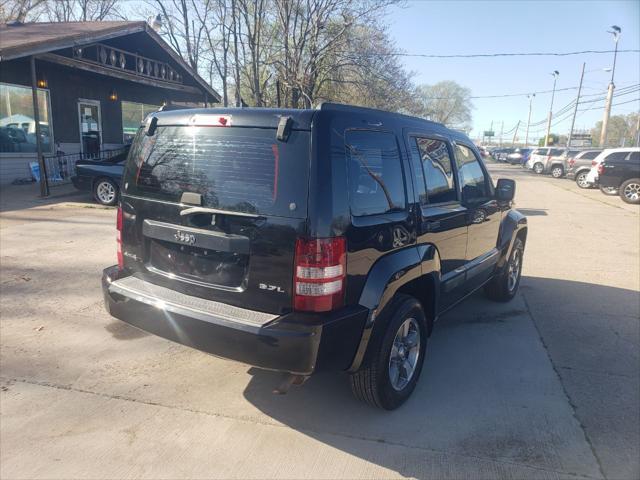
[
  {"x": 237, "y": 169},
  {"x": 376, "y": 183},
  {"x": 590, "y": 155}
]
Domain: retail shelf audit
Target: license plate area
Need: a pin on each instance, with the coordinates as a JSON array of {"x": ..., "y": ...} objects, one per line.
[
  {"x": 201, "y": 265},
  {"x": 199, "y": 256}
]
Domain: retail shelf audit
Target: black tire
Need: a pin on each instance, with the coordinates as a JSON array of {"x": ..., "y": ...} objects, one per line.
[
  {"x": 499, "y": 288},
  {"x": 101, "y": 187},
  {"x": 581, "y": 179},
  {"x": 372, "y": 383},
  {"x": 557, "y": 171},
  {"x": 538, "y": 168},
  {"x": 630, "y": 191},
  {"x": 610, "y": 191}
]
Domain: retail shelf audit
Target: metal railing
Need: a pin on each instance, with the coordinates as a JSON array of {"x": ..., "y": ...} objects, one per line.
[{"x": 60, "y": 167}]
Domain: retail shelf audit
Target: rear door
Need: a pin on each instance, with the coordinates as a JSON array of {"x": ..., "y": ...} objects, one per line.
[
  {"x": 214, "y": 212},
  {"x": 442, "y": 220}
]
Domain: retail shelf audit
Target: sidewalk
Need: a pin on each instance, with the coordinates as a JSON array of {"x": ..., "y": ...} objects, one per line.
[{"x": 20, "y": 197}]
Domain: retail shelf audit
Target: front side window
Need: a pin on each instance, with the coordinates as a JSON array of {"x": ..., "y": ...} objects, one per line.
[
  {"x": 132, "y": 116},
  {"x": 376, "y": 183},
  {"x": 438, "y": 170},
  {"x": 472, "y": 179},
  {"x": 17, "y": 124}
]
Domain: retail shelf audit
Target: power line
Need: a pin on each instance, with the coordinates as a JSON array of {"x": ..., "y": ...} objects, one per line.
[{"x": 515, "y": 54}]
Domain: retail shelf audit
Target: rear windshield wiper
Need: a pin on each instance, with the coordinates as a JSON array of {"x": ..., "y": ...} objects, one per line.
[{"x": 216, "y": 211}]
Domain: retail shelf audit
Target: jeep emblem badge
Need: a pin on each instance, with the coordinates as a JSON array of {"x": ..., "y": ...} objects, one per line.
[{"x": 184, "y": 237}]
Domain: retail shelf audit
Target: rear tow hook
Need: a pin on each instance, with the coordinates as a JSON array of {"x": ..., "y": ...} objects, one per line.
[{"x": 290, "y": 379}]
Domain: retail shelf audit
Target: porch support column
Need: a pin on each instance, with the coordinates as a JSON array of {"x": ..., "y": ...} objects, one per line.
[{"x": 44, "y": 186}]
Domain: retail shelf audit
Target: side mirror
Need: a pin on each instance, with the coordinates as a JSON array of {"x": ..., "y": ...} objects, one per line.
[{"x": 505, "y": 189}]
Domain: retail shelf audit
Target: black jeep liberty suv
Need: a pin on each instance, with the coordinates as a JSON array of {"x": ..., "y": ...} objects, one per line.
[{"x": 306, "y": 240}]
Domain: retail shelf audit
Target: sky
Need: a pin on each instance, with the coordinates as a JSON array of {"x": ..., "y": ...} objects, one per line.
[{"x": 471, "y": 27}]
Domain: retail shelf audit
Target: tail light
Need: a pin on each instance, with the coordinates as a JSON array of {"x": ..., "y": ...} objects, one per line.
[
  {"x": 119, "y": 239},
  {"x": 601, "y": 169},
  {"x": 593, "y": 163},
  {"x": 320, "y": 270},
  {"x": 572, "y": 162}
]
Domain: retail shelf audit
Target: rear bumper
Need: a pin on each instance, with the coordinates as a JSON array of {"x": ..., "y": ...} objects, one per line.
[
  {"x": 298, "y": 343},
  {"x": 608, "y": 182}
]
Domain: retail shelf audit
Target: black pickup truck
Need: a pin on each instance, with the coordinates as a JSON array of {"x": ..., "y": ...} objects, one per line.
[
  {"x": 101, "y": 176},
  {"x": 307, "y": 240}
]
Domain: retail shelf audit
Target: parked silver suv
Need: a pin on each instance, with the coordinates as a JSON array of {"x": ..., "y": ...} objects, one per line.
[
  {"x": 539, "y": 160},
  {"x": 578, "y": 167}
]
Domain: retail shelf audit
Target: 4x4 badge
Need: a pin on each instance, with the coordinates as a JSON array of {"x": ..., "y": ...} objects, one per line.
[{"x": 184, "y": 237}]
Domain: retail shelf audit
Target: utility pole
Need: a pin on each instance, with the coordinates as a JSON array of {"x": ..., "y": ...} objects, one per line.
[
  {"x": 615, "y": 31},
  {"x": 638, "y": 130},
  {"x": 502, "y": 131},
  {"x": 553, "y": 94},
  {"x": 526, "y": 136},
  {"x": 513, "y": 142},
  {"x": 575, "y": 110},
  {"x": 44, "y": 185}
]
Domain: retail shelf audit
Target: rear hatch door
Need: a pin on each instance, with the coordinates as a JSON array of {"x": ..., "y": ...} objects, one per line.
[{"x": 214, "y": 211}]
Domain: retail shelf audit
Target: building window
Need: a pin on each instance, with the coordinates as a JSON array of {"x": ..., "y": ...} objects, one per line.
[
  {"x": 17, "y": 124},
  {"x": 132, "y": 116}
]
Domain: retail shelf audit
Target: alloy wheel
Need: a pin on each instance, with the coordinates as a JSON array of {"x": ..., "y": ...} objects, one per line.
[
  {"x": 538, "y": 168},
  {"x": 404, "y": 354},
  {"x": 556, "y": 172},
  {"x": 514, "y": 270},
  {"x": 582, "y": 180},
  {"x": 632, "y": 191},
  {"x": 106, "y": 192}
]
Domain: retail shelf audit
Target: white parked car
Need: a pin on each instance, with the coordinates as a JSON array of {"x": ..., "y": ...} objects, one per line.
[{"x": 607, "y": 154}]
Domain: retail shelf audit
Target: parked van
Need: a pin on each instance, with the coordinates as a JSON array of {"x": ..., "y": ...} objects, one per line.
[{"x": 307, "y": 240}]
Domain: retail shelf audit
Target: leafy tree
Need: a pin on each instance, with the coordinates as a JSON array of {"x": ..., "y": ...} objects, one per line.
[
  {"x": 446, "y": 102},
  {"x": 554, "y": 139},
  {"x": 622, "y": 130}
]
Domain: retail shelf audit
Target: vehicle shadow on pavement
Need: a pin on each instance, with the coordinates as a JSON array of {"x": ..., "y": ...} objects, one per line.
[{"x": 488, "y": 391}]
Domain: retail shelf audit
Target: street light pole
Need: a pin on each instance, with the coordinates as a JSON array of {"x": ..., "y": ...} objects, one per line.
[
  {"x": 553, "y": 93},
  {"x": 575, "y": 110},
  {"x": 526, "y": 136},
  {"x": 615, "y": 31}
]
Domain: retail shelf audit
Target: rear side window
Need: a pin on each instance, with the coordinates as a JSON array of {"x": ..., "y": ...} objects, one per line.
[
  {"x": 237, "y": 169},
  {"x": 590, "y": 155},
  {"x": 616, "y": 156},
  {"x": 635, "y": 156},
  {"x": 376, "y": 183},
  {"x": 540, "y": 151},
  {"x": 436, "y": 163}
]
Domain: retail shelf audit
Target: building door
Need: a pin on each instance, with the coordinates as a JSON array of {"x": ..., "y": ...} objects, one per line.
[{"x": 90, "y": 127}]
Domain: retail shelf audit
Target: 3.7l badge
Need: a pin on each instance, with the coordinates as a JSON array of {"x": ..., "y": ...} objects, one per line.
[{"x": 271, "y": 288}]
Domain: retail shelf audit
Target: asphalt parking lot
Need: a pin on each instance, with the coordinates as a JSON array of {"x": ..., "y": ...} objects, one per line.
[{"x": 547, "y": 386}]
